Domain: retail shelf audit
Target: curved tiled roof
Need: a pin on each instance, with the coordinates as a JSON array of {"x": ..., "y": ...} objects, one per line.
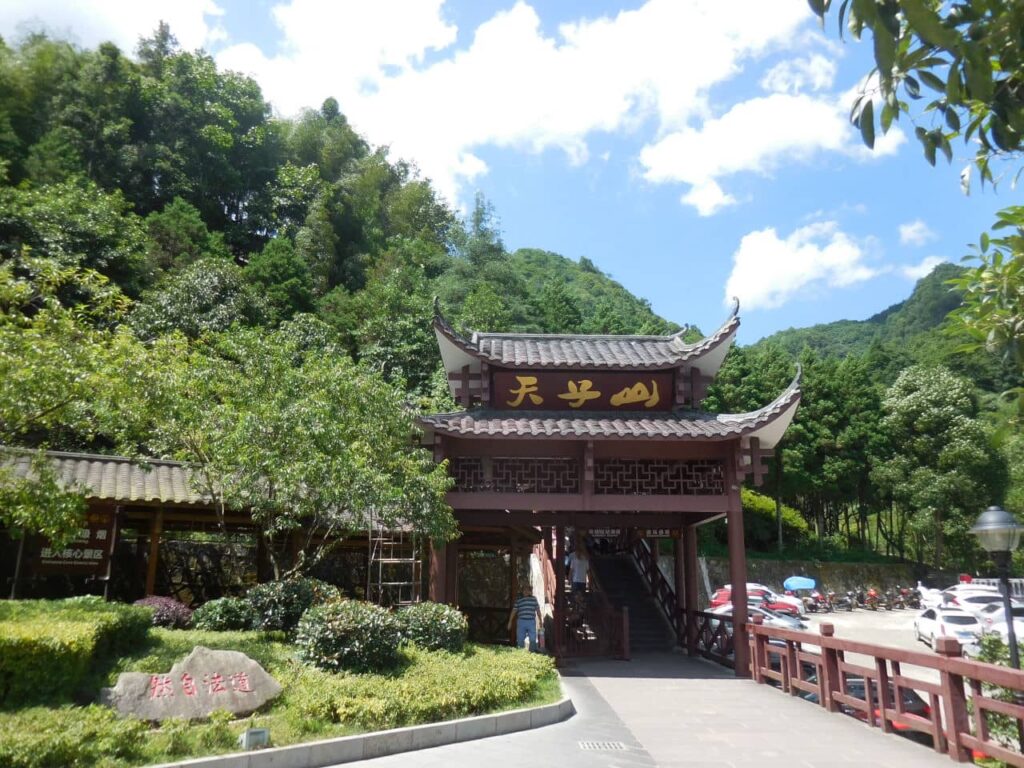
[
  {"x": 113, "y": 478},
  {"x": 685, "y": 425},
  {"x": 581, "y": 351}
]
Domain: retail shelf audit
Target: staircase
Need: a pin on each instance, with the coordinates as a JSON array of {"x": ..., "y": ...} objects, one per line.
[{"x": 623, "y": 585}]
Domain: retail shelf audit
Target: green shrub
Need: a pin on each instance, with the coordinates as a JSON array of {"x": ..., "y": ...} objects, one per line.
[
  {"x": 433, "y": 686},
  {"x": 349, "y": 634},
  {"x": 48, "y": 646},
  {"x": 280, "y": 604},
  {"x": 225, "y": 614},
  {"x": 69, "y": 736},
  {"x": 434, "y": 626}
]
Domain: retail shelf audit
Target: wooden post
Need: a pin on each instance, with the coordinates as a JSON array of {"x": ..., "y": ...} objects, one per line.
[
  {"x": 112, "y": 544},
  {"x": 680, "y": 588},
  {"x": 954, "y": 701},
  {"x": 438, "y": 558},
  {"x": 625, "y": 632},
  {"x": 690, "y": 586},
  {"x": 155, "y": 529},
  {"x": 17, "y": 565},
  {"x": 451, "y": 574},
  {"x": 513, "y": 586},
  {"x": 830, "y": 682},
  {"x": 559, "y": 590},
  {"x": 758, "y": 652},
  {"x": 737, "y": 571}
]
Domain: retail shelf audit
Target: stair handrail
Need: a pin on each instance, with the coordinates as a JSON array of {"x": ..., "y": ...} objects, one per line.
[
  {"x": 663, "y": 591},
  {"x": 617, "y": 618}
]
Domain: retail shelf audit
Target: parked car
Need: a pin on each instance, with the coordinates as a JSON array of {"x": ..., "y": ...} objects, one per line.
[
  {"x": 972, "y": 600},
  {"x": 947, "y": 622},
  {"x": 993, "y": 619},
  {"x": 912, "y": 703},
  {"x": 771, "y": 618},
  {"x": 936, "y": 598},
  {"x": 762, "y": 596}
]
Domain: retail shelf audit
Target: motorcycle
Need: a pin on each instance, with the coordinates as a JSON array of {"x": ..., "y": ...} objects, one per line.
[
  {"x": 871, "y": 599},
  {"x": 887, "y": 599},
  {"x": 860, "y": 597},
  {"x": 913, "y": 598},
  {"x": 899, "y": 598},
  {"x": 849, "y": 601}
]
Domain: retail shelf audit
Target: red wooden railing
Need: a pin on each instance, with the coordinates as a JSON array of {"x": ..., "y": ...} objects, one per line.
[
  {"x": 663, "y": 591},
  {"x": 818, "y": 664}
]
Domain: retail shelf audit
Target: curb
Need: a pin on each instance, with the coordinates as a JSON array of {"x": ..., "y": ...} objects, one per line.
[{"x": 346, "y": 749}]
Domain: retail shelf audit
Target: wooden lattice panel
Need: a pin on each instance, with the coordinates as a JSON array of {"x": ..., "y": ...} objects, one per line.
[
  {"x": 536, "y": 475},
  {"x": 468, "y": 474},
  {"x": 647, "y": 477}
]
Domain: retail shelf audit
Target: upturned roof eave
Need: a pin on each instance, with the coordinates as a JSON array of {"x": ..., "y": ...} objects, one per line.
[{"x": 682, "y": 352}]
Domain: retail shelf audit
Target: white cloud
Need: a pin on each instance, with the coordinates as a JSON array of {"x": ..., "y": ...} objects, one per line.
[
  {"x": 815, "y": 73},
  {"x": 513, "y": 86},
  {"x": 923, "y": 268},
  {"x": 707, "y": 197},
  {"x": 769, "y": 270},
  {"x": 194, "y": 22},
  {"x": 757, "y": 136},
  {"x": 916, "y": 233}
]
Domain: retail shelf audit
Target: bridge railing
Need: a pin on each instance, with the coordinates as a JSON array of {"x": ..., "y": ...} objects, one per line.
[{"x": 959, "y": 706}]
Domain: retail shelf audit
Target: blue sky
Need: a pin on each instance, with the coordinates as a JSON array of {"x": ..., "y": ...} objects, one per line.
[{"x": 692, "y": 149}]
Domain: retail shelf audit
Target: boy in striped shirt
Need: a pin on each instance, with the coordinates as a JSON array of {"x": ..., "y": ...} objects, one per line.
[{"x": 525, "y": 613}]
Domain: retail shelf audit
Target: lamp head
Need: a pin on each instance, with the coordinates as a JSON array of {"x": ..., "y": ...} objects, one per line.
[{"x": 997, "y": 530}]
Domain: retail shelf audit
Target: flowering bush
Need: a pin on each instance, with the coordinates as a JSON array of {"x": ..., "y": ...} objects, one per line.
[
  {"x": 349, "y": 634},
  {"x": 167, "y": 612},
  {"x": 433, "y": 626}
]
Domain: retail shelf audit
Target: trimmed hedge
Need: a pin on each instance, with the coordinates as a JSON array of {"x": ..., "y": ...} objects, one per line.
[
  {"x": 167, "y": 612},
  {"x": 434, "y": 626},
  {"x": 280, "y": 604},
  {"x": 70, "y": 736},
  {"x": 48, "y": 646},
  {"x": 225, "y": 614},
  {"x": 349, "y": 634},
  {"x": 433, "y": 686}
]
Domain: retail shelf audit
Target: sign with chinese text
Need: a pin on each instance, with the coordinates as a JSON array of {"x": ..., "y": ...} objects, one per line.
[
  {"x": 203, "y": 682},
  {"x": 582, "y": 391},
  {"x": 89, "y": 553}
]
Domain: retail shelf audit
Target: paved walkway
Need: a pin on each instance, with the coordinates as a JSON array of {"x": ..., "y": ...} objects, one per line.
[{"x": 671, "y": 711}]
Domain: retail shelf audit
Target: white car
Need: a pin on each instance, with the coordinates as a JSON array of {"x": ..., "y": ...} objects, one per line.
[
  {"x": 947, "y": 622},
  {"x": 771, "y": 618},
  {"x": 777, "y": 597},
  {"x": 993, "y": 620},
  {"x": 974, "y": 600},
  {"x": 936, "y": 598}
]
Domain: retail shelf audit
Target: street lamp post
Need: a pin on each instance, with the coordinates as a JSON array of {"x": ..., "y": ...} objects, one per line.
[{"x": 999, "y": 533}]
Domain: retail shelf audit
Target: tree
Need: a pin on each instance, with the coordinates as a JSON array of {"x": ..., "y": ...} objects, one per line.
[
  {"x": 179, "y": 236},
  {"x": 78, "y": 225},
  {"x": 992, "y": 314},
  {"x": 282, "y": 278},
  {"x": 969, "y": 54},
  {"x": 940, "y": 468},
  {"x": 56, "y": 339},
  {"x": 208, "y": 296},
  {"x": 557, "y": 310},
  {"x": 284, "y": 424}
]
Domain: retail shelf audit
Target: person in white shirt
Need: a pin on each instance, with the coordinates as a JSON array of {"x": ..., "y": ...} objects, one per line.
[{"x": 579, "y": 565}]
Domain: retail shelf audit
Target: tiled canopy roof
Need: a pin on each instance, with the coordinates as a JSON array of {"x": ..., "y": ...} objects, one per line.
[
  {"x": 579, "y": 351},
  {"x": 113, "y": 478},
  {"x": 685, "y": 425}
]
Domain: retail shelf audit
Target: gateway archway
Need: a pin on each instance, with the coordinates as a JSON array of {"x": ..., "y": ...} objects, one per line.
[{"x": 595, "y": 432}]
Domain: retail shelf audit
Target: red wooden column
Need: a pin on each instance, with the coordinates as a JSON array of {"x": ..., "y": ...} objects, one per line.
[
  {"x": 690, "y": 586},
  {"x": 438, "y": 560},
  {"x": 451, "y": 573},
  {"x": 559, "y": 590},
  {"x": 737, "y": 571}
]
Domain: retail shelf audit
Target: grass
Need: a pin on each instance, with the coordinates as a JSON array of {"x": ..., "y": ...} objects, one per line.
[{"x": 427, "y": 687}]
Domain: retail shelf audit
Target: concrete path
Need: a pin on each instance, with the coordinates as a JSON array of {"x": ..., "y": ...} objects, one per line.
[{"x": 671, "y": 711}]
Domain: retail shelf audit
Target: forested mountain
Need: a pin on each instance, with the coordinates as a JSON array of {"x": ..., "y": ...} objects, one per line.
[
  {"x": 184, "y": 274},
  {"x": 911, "y": 331}
]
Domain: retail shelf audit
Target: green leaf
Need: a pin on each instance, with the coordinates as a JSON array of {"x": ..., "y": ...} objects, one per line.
[
  {"x": 866, "y": 123},
  {"x": 888, "y": 115},
  {"x": 954, "y": 88},
  {"x": 927, "y": 24},
  {"x": 931, "y": 80},
  {"x": 984, "y": 242},
  {"x": 952, "y": 119},
  {"x": 978, "y": 71},
  {"x": 912, "y": 86}
]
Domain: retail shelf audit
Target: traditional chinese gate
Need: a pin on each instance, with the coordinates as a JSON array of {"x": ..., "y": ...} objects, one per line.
[{"x": 595, "y": 432}]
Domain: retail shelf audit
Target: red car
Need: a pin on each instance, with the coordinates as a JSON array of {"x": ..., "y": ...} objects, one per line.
[{"x": 723, "y": 596}]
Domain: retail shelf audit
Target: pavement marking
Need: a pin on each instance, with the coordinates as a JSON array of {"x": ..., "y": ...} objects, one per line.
[{"x": 601, "y": 746}]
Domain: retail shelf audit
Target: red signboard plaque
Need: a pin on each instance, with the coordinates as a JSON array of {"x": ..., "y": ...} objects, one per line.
[{"x": 520, "y": 390}]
